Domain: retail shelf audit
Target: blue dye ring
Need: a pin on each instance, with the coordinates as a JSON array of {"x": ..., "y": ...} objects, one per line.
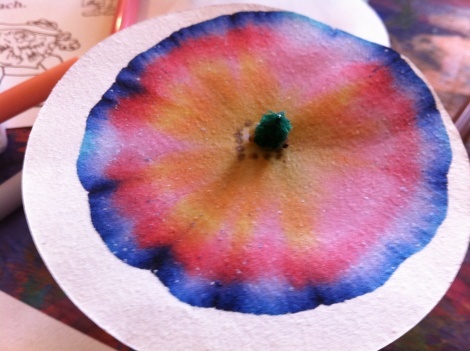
[{"x": 270, "y": 297}]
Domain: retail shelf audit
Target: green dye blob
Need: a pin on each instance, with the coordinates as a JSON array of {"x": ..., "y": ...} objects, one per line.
[{"x": 272, "y": 131}]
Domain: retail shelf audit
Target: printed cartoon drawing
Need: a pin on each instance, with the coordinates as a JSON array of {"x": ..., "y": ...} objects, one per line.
[
  {"x": 99, "y": 7},
  {"x": 27, "y": 49}
]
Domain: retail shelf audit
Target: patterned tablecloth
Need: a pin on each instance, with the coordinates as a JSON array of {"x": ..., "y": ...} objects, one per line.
[{"x": 435, "y": 35}]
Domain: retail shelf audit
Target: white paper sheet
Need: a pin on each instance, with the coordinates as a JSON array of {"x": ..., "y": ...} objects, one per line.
[{"x": 25, "y": 328}]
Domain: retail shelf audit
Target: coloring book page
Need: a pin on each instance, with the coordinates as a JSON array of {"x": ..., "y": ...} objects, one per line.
[{"x": 38, "y": 35}]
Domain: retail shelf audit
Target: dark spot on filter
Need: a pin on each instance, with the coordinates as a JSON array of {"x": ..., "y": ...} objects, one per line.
[{"x": 238, "y": 137}]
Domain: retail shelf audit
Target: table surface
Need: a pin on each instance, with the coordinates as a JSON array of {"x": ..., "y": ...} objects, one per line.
[{"x": 434, "y": 34}]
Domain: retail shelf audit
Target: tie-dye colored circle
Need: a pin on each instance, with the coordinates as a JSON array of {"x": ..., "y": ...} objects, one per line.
[{"x": 176, "y": 186}]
